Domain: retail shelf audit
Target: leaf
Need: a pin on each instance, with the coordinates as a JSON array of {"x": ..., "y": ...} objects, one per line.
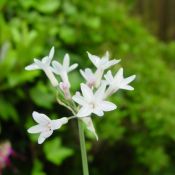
[
  {"x": 7, "y": 110},
  {"x": 21, "y": 77},
  {"x": 55, "y": 152},
  {"x": 42, "y": 95},
  {"x": 46, "y": 6},
  {"x": 38, "y": 168},
  {"x": 67, "y": 33}
]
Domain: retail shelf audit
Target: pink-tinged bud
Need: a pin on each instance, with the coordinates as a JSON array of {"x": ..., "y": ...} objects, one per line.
[{"x": 65, "y": 88}]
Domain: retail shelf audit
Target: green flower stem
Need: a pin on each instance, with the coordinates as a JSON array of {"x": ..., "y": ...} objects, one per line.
[
  {"x": 72, "y": 107},
  {"x": 83, "y": 148}
]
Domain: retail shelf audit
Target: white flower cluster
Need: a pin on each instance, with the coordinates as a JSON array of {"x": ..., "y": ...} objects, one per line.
[{"x": 94, "y": 92}]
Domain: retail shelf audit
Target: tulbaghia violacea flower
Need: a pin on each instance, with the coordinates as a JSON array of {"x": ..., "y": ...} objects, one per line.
[
  {"x": 45, "y": 125},
  {"x": 101, "y": 64},
  {"x": 44, "y": 64},
  {"x": 64, "y": 69},
  {"x": 92, "y": 102},
  {"x": 118, "y": 82},
  {"x": 89, "y": 76}
]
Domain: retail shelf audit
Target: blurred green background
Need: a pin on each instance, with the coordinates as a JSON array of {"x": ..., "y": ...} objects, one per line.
[{"x": 136, "y": 139}]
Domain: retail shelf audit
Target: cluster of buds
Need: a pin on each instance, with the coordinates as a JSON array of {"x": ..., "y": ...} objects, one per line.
[{"x": 92, "y": 99}]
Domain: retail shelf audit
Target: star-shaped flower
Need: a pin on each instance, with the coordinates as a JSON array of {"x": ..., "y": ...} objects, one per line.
[
  {"x": 118, "y": 82},
  {"x": 64, "y": 69},
  {"x": 44, "y": 64},
  {"x": 92, "y": 102},
  {"x": 45, "y": 125},
  {"x": 89, "y": 76},
  {"x": 102, "y": 63}
]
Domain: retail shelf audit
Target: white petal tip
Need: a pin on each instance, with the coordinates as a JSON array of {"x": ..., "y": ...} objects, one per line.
[
  {"x": 76, "y": 65},
  {"x": 89, "y": 54},
  {"x": 34, "y": 113},
  {"x": 134, "y": 76},
  {"x": 29, "y": 68},
  {"x": 26, "y": 68},
  {"x": 33, "y": 130},
  {"x": 29, "y": 131},
  {"x": 41, "y": 140}
]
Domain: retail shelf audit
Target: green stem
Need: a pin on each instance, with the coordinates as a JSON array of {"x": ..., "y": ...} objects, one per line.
[{"x": 83, "y": 148}]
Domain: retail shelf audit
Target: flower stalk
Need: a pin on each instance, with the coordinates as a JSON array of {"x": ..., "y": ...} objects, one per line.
[{"x": 83, "y": 148}]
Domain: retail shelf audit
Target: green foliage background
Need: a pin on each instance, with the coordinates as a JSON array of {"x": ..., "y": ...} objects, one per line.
[{"x": 137, "y": 138}]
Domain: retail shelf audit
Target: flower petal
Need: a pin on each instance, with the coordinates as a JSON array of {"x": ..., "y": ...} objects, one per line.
[
  {"x": 98, "y": 111},
  {"x": 56, "y": 124},
  {"x": 94, "y": 59},
  {"x": 51, "y": 53},
  {"x": 84, "y": 111},
  {"x": 88, "y": 74},
  {"x": 45, "y": 60},
  {"x": 111, "y": 63},
  {"x": 79, "y": 99},
  {"x": 35, "y": 129},
  {"x": 119, "y": 75},
  {"x": 66, "y": 61},
  {"x": 83, "y": 73},
  {"x": 41, "y": 139},
  {"x": 129, "y": 79},
  {"x": 40, "y": 64},
  {"x": 106, "y": 56},
  {"x": 72, "y": 67},
  {"x": 109, "y": 78},
  {"x": 108, "y": 106},
  {"x": 43, "y": 136},
  {"x": 86, "y": 91},
  {"x": 127, "y": 87},
  {"x": 32, "y": 67},
  {"x": 40, "y": 118},
  {"x": 99, "y": 94},
  {"x": 57, "y": 67}
]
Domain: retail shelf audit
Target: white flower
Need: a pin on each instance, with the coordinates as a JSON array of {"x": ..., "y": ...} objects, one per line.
[
  {"x": 64, "y": 69},
  {"x": 45, "y": 125},
  {"x": 44, "y": 64},
  {"x": 89, "y": 76},
  {"x": 92, "y": 103},
  {"x": 102, "y": 63},
  {"x": 118, "y": 82}
]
